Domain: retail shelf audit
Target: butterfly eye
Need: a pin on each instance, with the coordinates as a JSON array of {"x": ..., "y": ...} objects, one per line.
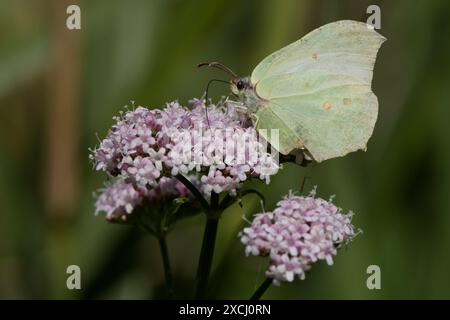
[{"x": 240, "y": 85}]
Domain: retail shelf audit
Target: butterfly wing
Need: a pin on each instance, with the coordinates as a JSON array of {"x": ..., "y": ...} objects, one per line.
[{"x": 317, "y": 90}]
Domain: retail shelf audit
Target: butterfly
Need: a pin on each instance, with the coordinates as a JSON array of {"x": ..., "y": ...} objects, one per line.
[{"x": 315, "y": 91}]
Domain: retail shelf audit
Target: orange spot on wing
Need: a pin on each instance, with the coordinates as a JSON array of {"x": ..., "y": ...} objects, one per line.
[{"x": 327, "y": 105}]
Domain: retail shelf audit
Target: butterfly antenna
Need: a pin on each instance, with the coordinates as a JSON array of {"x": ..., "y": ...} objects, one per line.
[
  {"x": 206, "y": 97},
  {"x": 206, "y": 114},
  {"x": 303, "y": 183},
  {"x": 219, "y": 66}
]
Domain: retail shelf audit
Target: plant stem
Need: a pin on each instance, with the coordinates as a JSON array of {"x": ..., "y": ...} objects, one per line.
[
  {"x": 213, "y": 212},
  {"x": 207, "y": 250},
  {"x": 262, "y": 288},
  {"x": 229, "y": 200},
  {"x": 214, "y": 206},
  {"x": 206, "y": 257},
  {"x": 166, "y": 264},
  {"x": 193, "y": 189}
]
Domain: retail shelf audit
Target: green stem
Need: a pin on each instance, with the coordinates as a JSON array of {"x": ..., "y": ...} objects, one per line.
[
  {"x": 214, "y": 206},
  {"x": 207, "y": 250},
  {"x": 262, "y": 288},
  {"x": 166, "y": 264},
  {"x": 213, "y": 213},
  {"x": 206, "y": 257},
  {"x": 229, "y": 200},
  {"x": 197, "y": 194}
]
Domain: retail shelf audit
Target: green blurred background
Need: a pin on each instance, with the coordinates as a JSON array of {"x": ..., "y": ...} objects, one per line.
[{"x": 60, "y": 88}]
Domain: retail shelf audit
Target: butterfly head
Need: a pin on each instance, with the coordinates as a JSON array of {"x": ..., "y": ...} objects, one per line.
[{"x": 240, "y": 85}]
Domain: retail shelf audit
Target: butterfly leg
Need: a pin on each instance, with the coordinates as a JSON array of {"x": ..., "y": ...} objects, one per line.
[
  {"x": 236, "y": 105},
  {"x": 255, "y": 119}
]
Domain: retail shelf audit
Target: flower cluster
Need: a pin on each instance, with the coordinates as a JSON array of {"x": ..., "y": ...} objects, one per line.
[
  {"x": 121, "y": 198},
  {"x": 300, "y": 231},
  {"x": 145, "y": 145}
]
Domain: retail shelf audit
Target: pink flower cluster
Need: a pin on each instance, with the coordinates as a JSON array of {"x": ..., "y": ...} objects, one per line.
[
  {"x": 120, "y": 198},
  {"x": 145, "y": 145},
  {"x": 299, "y": 232}
]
